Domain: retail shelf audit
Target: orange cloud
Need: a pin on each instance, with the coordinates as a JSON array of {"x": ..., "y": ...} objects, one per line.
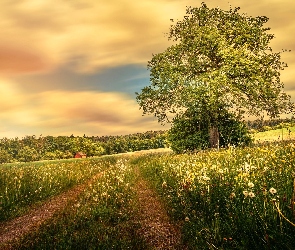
[{"x": 14, "y": 59}]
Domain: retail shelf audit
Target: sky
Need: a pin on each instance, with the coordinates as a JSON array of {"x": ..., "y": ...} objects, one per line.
[{"x": 73, "y": 67}]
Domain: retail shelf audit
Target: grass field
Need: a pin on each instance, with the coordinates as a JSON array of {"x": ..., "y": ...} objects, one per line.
[
  {"x": 235, "y": 198},
  {"x": 275, "y": 135}
]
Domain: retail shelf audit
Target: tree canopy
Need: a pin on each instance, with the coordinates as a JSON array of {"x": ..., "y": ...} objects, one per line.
[{"x": 219, "y": 59}]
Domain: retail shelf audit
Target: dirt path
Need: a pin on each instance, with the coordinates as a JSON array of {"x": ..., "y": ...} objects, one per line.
[
  {"x": 156, "y": 227},
  {"x": 12, "y": 231}
]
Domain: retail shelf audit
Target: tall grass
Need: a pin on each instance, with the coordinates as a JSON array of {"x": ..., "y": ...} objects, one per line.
[
  {"x": 234, "y": 198},
  {"x": 103, "y": 217},
  {"x": 22, "y": 185}
]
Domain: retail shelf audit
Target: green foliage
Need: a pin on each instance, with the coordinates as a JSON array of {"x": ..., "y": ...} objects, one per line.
[
  {"x": 5, "y": 156},
  {"x": 24, "y": 184},
  {"x": 31, "y": 148},
  {"x": 218, "y": 59},
  {"x": 102, "y": 217},
  {"x": 28, "y": 154},
  {"x": 228, "y": 199},
  {"x": 279, "y": 123},
  {"x": 190, "y": 131},
  {"x": 133, "y": 142}
]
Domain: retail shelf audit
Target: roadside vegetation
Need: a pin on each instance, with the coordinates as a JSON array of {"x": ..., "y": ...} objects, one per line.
[
  {"x": 236, "y": 198},
  {"x": 24, "y": 184}
]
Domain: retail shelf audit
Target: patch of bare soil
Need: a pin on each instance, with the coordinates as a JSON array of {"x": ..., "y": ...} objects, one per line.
[
  {"x": 12, "y": 231},
  {"x": 156, "y": 226}
]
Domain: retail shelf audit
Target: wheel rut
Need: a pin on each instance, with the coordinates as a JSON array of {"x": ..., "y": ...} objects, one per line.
[
  {"x": 156, "y": 227},
  {"x": 14, "y": 230}
]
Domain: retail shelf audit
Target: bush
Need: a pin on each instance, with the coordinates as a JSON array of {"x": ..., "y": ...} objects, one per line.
[
  {"x": 5, "y": 156},
  {"x": 190, "y": 132},
  {"x": 266, "y": 128},
  {"x": 27, "y": 154}
]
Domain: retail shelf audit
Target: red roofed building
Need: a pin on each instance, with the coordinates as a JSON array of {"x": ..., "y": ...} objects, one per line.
[{"x": 80, "y": 155}]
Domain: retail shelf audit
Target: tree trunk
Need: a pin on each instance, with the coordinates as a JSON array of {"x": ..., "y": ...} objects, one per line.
[{"x": 214, "y": 137}]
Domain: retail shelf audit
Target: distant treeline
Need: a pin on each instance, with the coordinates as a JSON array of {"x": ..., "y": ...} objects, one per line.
[
  {"x": 264, "y": 125},
  {"x": 131, "y": 142},
  {"x": 31, "y": 148}
]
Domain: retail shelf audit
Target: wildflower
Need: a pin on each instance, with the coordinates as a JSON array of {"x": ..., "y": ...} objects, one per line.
[
  {"x": 251, "y": 194},
  {"x": 186, "y": 219},
  {"x": 245, "y": 193},
  {"x": 164, "y": 184},
  {"x": 264, "y": 191},
  {"x": 232, "y": 195},
  {"x": 250, "y": 185},
  {"x": 272, "y": 190},
  {"x": 247, "y": 167}
]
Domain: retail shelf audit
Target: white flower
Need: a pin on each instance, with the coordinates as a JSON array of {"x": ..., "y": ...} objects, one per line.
[
  {"x": 247, "y": 167},
  {"x": 272, "y": 190},
  {"x": 250, "y": 185},
  {"x": 245, "y": 193},
  {"x": 251, "y": 194},
  {"x": 186, "y": 219}
]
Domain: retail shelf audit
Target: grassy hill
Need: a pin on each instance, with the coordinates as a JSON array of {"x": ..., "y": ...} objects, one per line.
[{"x": 275, "y": 135}]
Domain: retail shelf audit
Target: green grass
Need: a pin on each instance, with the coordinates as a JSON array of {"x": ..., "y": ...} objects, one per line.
[
  {"x": 275, "y": 135},
  {"x": 103, "y": 217},
  {"x": 224, "y": 198},
  {"x": 24, "y": 184}
]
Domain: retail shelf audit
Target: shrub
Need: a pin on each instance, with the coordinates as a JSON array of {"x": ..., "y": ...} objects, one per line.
[{"x": 190, "y": 132}]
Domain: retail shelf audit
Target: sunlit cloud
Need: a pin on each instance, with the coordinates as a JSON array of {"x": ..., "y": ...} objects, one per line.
[{"x": 63, "y": 112}]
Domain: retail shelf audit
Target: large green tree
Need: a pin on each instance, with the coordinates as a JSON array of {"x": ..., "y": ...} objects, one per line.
[{"x": 219, "y": 59}]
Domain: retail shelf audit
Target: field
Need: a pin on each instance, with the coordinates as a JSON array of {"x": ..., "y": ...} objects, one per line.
[
  {"x": 235, "y": 198},
  {"x": 275, "y": 135}
]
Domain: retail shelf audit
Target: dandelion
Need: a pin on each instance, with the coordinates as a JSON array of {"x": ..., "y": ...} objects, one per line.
[
  {"x": 251, "y": 194},
  {"x": 250, "y": 184},
  {"x": 272, "y": 190},
  {"x": 264, "y": 191},
  {"x": 247, "y": 167},
  {"x": 232, "y": 195}
]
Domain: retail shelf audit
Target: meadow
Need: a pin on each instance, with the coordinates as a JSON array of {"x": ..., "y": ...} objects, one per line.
[
  {"x": 234, "y": 198},
  {"x": 231, "y": 199}
]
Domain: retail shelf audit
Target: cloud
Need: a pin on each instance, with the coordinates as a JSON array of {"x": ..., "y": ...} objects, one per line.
[
  {"x": 21, "y": 60},
  {"x": 93, "y": 35},
  {"x": 89, "y": 35},
  {"x": 65, "y": 112}
]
